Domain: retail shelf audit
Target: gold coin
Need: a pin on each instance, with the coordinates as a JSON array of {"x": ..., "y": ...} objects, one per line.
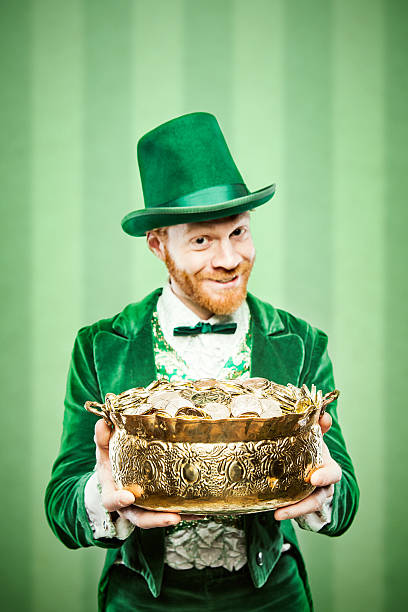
[
  {"x": 270, "y": 408},
  {"x": 205, "y": 383},
  {"x": 242, "y": 404},
  {"x": 217, "y": 410},
  {"x": 257, "y": 385},
  {"x": 146, "y": 409},
  {"x": 207, "y": 397},
  {"x": 187, "y": 411},
  {"x": 186, "y": 393}
]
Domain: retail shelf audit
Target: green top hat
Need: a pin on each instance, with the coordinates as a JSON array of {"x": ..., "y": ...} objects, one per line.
[{"x": 187, "y": 175}]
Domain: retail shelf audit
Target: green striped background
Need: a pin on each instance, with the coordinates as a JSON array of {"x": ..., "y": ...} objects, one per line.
[{"x": 312, "y": 95}]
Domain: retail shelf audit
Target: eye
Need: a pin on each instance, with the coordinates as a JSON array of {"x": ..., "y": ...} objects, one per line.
[
  {"x": 200, "y": 242},
  {"x": 239, "y": 231}
]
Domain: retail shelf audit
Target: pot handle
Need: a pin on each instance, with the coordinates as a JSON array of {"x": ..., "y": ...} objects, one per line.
[
  {"x": 328, "y": 399},
  {"x": 91, "y": 407}
]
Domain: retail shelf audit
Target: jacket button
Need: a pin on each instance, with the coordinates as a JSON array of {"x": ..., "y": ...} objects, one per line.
[{"x": 259, "y": 558}]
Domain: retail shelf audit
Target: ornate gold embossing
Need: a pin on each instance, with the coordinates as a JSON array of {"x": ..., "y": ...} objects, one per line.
[
  {"x": 190, "y": 473},
  {"x": 268, "y": 472}
]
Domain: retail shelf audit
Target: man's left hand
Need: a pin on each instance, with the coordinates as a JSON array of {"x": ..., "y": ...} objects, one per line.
[{"x": 323, "y": 478}]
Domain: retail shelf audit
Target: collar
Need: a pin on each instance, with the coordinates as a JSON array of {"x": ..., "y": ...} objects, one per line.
[
  {"x": 173, "y": 312},
  {"x": 135, "y": 316}
]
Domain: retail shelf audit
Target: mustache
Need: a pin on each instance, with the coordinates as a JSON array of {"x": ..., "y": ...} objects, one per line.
[{"x": 242, "y": 269}]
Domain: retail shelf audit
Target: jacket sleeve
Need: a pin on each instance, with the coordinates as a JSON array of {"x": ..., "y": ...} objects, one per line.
[
  {"x": 346, "y": 491},
  {"x": 64, "y": 497}
]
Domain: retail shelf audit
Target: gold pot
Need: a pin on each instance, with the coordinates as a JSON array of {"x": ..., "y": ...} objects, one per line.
[{"x": 204, "y": 466}]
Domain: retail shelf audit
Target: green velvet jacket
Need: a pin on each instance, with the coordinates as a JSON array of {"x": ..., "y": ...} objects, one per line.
[{"x": 116, "y": 354}]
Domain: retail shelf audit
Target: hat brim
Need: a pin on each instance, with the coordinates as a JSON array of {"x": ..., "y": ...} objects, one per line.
[{"x": 138, "y": 222}]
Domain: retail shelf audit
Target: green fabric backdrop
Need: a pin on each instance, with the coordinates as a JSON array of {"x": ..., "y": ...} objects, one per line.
[{"x": 312, "y": 95}]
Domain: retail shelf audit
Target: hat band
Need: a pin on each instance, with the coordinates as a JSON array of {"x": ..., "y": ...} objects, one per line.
[{"x": 210, "y": 195}]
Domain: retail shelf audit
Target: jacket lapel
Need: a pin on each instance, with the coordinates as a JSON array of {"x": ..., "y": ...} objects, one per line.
[
  {"x": 276, "y": 353},
  {"x": 124, "y": 359}
]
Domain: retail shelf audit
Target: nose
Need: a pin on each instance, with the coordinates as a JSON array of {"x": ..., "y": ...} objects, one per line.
[{"x": 226, "y": 256}]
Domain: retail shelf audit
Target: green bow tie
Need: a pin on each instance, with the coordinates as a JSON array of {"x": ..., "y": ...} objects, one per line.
[{"x": 205, "y": 328}]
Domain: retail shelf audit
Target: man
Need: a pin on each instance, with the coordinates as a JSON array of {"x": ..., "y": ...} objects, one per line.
[{"x": 197, "y": 221}]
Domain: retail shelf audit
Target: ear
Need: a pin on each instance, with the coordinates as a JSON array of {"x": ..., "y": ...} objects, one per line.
[{"x": 155, "y": 243}]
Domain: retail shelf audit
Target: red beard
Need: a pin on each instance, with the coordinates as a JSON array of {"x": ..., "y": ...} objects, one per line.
[{"x": 227, "y": 301}]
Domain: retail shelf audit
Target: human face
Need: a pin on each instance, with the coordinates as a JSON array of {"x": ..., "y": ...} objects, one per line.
[{"x": 209, "y": 263}]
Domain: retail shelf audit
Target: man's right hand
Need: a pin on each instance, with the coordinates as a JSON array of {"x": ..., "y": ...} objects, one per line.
[{"x": 121, "y": 501}]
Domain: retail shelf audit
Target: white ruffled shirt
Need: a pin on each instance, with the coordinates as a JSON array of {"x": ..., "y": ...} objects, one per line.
[{"x": 210, "y": 544}]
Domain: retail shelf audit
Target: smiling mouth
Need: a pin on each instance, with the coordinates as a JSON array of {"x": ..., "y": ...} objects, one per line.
[{"x": 225, "y": 282}]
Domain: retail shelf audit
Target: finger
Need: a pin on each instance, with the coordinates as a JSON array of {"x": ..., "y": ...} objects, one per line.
[
  {"x": 116, "y": 499},
  {"x": 326, "y": 475},
  {"x": 325, "y": 422},
  {"x": 146, "y": 519},
  {"x": 105, "y": 477},
  {"x": 112, "y": 497},
  {"x": 102, "y": 437},
  {"x": 312, "y": 503}
]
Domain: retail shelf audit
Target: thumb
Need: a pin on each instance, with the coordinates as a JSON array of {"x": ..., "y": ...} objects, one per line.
[
  {"x": 325, "y": 422},
  {"x": 102, "y": 436},
  {"x": 114, "y": 499}
]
